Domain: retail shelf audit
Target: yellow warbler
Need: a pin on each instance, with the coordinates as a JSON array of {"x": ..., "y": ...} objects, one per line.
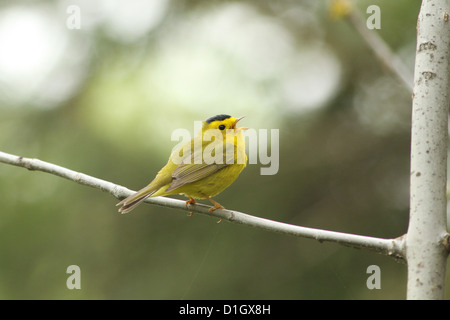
[{"x": 201, "y": 168}]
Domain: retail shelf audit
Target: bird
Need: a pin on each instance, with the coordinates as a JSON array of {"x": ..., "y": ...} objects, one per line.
[{"x": 201, "y": 168}]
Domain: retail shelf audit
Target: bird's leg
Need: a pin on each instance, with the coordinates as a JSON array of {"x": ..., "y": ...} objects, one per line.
[
  {"x": 216, "y": 206},
  {"x": 190, "y": 201}
]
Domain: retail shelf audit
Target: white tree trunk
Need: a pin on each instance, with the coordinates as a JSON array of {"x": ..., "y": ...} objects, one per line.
[{"x": 425, "y": 250}]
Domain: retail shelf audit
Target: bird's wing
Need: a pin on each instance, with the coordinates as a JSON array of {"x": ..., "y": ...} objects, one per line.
[{"x": 196, "y": 168}]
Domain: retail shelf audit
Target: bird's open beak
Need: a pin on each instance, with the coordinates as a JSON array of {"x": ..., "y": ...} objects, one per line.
[{"x": 233, "y": 126}]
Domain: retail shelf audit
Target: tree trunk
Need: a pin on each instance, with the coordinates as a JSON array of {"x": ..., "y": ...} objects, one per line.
[{"x": 425, "y": 250}]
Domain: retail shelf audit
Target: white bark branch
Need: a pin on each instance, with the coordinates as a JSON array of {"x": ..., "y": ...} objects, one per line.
[
  {"x": 390, "y": 247},
  {"x": 426, "y": 239}
]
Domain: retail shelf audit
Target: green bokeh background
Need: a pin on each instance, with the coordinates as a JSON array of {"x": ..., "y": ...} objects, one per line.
[{"x": 344, "y": 155}]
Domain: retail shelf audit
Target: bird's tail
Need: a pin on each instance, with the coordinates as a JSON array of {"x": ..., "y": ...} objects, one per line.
[{"x": 134, "y": 200}]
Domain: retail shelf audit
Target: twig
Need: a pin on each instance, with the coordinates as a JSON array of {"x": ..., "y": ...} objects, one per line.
[
  {"x": 382, "y": 50},
  {"x": 390, "y": 247}
]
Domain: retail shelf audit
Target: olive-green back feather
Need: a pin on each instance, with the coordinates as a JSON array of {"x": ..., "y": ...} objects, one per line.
[{"x": 199, "y": 165}]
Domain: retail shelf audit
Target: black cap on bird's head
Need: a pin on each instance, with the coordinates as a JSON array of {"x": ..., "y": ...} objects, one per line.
[
  {"x": 219, "y": 117},
  {"x": 222, "y": 122}
]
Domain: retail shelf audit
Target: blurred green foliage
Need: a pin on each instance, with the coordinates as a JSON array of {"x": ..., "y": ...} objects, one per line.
[{"x": 344, "y": 157}]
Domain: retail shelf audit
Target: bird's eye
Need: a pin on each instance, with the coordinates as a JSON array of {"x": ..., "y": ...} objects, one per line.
[{"x": 222, "y": 126}]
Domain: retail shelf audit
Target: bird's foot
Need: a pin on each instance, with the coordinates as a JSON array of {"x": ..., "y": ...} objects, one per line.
[
  {"x": 216, "y": 206},
  {"x": 190, "y": 201}
]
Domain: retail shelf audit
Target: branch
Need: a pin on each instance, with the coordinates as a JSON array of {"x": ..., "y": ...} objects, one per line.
[
  {"x": 383, "y": 52},
  {"x": 390, "y": 247}
]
